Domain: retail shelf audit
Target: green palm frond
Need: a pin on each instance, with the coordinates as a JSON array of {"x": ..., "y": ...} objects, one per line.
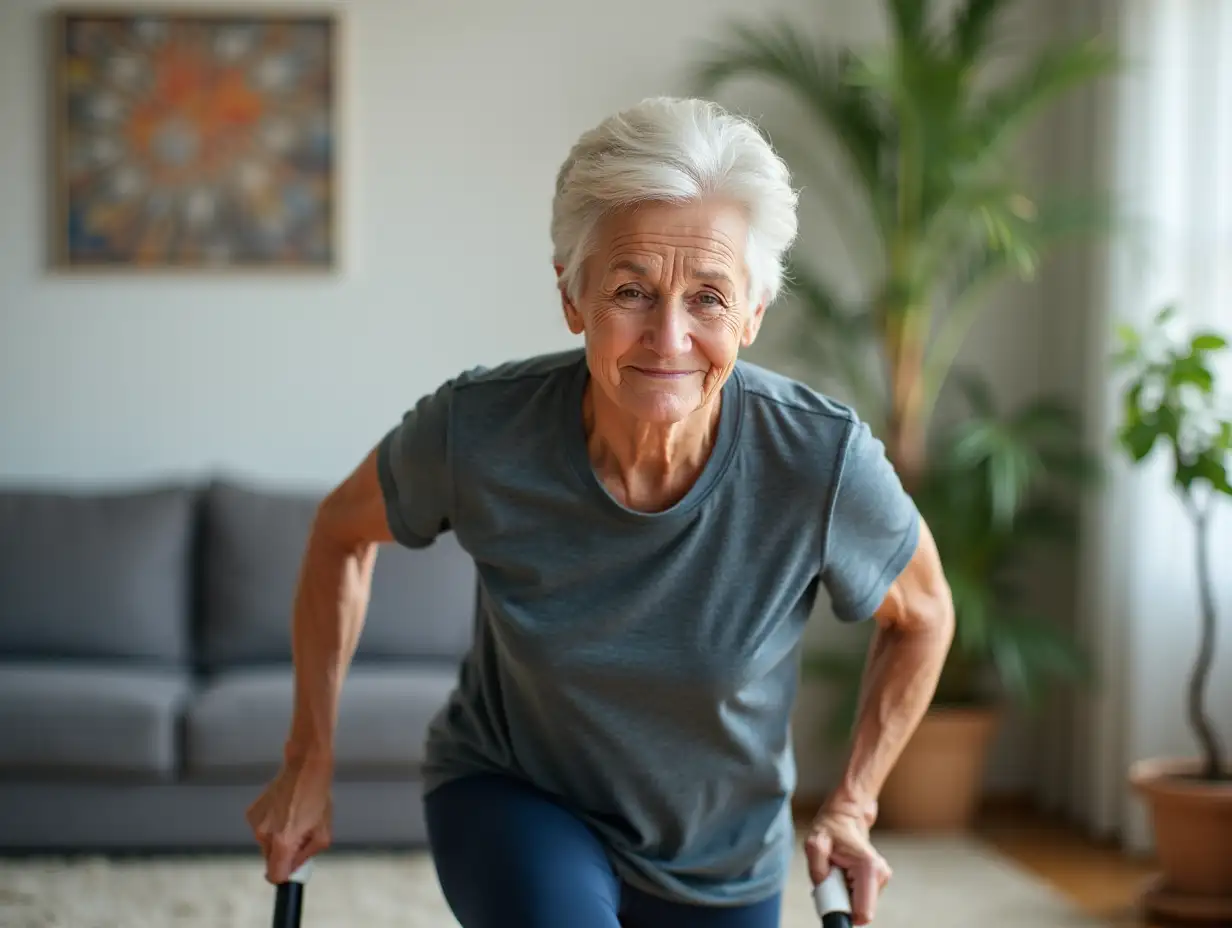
[
  {"x": 1016, "y": 234},
  {"x": 1046, "y": 420},
  {"x": 1053, "y": 429},
  {"x": 977, "y": 391},
  {"x": 985, "y": 227},
  {"x": 909, "y": 19},
  {"x": 997, "y": 118},
  {"x": 973, "y": 25},
  {"x": 968, "y": 135},
  {"x": 1018, "y": 248},
  {"x": 1001, "y": 462},
  {"x": 777, "y": 51},
  {"x": 1008, "y": 464}
]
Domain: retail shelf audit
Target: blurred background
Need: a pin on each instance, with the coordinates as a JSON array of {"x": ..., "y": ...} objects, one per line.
[{"x": 236, "y": 249}]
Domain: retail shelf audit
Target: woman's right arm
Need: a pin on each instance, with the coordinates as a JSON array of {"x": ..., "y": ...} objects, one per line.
[
  {"x": 330, "y": 604},
  {"x": 401, "y": 492},
  {"x": 291, "y": 819}
]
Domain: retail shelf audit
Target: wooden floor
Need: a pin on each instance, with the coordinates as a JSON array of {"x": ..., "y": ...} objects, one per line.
[{"x": 1097, "y": 877}]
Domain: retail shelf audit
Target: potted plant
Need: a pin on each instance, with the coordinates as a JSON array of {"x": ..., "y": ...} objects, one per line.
[
  {"x": 1171, "y": 404},
  {"x": 942, "y": 216}
]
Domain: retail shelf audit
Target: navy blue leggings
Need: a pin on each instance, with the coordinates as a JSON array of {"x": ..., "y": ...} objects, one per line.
[{"x": 508, "y": 856}]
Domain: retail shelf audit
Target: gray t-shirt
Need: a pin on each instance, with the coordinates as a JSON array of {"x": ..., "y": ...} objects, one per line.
[{"x": 643, "y": 666}]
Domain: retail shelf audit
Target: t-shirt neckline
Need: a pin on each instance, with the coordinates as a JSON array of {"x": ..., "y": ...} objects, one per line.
[{"x": 730, "y": 419}]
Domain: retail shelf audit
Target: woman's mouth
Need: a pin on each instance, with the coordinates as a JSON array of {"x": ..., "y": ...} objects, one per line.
[{"x": 663, "y": 374}]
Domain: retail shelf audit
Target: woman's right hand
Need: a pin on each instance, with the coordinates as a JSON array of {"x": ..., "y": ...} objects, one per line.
[{"x": 292, "y": 818}]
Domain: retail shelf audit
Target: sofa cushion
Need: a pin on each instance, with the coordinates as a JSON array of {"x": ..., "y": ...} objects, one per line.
[
  {"x": 96, "y": 575},
  {"x": 238, "y": 725},
  {"x": 421, "y": 605},
  {"x": 67, "y": 720}
]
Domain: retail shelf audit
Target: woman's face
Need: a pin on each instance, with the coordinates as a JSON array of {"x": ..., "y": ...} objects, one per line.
[{"x": 664, "y": 307}]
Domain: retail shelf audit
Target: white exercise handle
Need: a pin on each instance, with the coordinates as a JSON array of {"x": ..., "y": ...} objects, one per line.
[
  {"x": 831, "y": 896},
  {"x": 301, "y": 875}
]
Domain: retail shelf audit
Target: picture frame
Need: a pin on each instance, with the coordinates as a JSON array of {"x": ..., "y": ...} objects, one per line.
[{"x": 194, "y": 139}]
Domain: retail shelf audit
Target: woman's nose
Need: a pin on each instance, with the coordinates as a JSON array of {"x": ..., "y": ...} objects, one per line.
[{"x": 668, "y": 332}]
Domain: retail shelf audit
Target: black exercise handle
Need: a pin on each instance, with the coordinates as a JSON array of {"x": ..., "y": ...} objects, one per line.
[
  {"x": 289, "y": 899},
  {"x": 832, "y": 901},
  {"x": 288, "y": 905}
]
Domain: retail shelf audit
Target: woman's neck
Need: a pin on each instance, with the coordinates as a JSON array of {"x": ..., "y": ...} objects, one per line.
[{"x": 647, "y": 466}]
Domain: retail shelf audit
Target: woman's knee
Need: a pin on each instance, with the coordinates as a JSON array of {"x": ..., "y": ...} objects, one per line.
[{"x": 508, "y": 855}]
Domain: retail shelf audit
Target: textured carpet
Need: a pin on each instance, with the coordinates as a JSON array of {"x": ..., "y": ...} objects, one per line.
[{"x": 955, "y": 882}]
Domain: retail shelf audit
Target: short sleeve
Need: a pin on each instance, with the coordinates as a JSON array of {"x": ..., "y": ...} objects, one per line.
[
  {"x": 872, "y": 529},
  {"x": 413, "y": 463}
]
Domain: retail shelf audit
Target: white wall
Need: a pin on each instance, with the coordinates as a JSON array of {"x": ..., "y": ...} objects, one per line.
[{"x": 456, "y": 119}]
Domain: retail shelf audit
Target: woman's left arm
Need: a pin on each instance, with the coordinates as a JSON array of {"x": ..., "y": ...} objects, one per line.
[{"x": 915, "y": 626}]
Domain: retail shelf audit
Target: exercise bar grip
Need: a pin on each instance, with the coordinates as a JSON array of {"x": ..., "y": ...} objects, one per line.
[
  {"x": 832, "y": 901},
  {"x": 289, "y": 898}
]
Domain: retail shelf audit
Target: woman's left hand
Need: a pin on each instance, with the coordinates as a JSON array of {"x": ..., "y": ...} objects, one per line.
[{"x": 841, "y": 839}]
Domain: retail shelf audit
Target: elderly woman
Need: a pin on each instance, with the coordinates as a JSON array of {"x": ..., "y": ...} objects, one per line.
[{"x": 651, "y": 520}]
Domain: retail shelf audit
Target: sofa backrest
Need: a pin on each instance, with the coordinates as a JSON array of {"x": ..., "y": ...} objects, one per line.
[
  {"x": 205, "y": 576},
  {"x": 100, "y": 575},
  {"x": 253, "y": 541}
]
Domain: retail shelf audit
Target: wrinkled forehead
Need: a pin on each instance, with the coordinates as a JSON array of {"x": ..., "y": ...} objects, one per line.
[{"x": 705, "y": 240}]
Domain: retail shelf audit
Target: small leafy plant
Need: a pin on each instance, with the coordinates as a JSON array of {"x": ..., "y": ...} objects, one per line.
[{"x": 1171, "y": 401}]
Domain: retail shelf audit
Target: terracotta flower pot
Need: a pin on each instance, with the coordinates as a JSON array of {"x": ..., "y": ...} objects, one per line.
[
  {"x": 936, "y": 784},
  {"x": 1192, "y": 822}
]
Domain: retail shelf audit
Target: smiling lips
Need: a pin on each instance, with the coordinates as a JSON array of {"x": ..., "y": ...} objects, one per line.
[{"x": 659, "y": 374}]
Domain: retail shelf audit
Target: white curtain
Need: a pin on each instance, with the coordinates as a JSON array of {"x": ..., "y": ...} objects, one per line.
[{"x": 1161, "y": 138}]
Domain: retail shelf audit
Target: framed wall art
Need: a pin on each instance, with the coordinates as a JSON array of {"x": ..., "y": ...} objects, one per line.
[{"x": 194, "y": 140}]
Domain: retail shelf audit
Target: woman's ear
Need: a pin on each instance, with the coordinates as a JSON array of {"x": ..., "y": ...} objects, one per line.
[
  {"x": 573, "y": 318},
  {"x": 752, "y": 325}
]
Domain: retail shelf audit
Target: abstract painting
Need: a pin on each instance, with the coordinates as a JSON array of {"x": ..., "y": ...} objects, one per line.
[{"x": 202, "y": 140}]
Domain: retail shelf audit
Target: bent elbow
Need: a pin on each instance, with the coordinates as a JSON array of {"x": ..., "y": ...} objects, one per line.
[
  {"x": 939, "y": 616},
  {"x": 948, "y": 621},
  {"x": 932, "y": 615}
]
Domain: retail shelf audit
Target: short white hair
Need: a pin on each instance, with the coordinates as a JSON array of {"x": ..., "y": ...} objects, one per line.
[{"x": 675, "y": 150}]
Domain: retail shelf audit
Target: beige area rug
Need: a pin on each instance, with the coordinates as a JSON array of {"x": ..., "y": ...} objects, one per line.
[{"x": 955, "y": 883}]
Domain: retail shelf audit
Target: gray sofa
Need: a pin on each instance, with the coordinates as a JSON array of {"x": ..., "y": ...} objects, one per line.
[{"x": 145, "y": 675}]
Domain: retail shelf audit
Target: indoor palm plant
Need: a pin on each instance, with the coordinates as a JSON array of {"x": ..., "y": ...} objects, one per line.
[
  {"x": 1171, "y": 404},
  {"x": 925, "y": 142}
]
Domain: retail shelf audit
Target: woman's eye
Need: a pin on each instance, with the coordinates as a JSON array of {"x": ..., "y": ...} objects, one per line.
[
  {"x": 629, "y": 293},
  {"x": 710, "y": 300}
]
